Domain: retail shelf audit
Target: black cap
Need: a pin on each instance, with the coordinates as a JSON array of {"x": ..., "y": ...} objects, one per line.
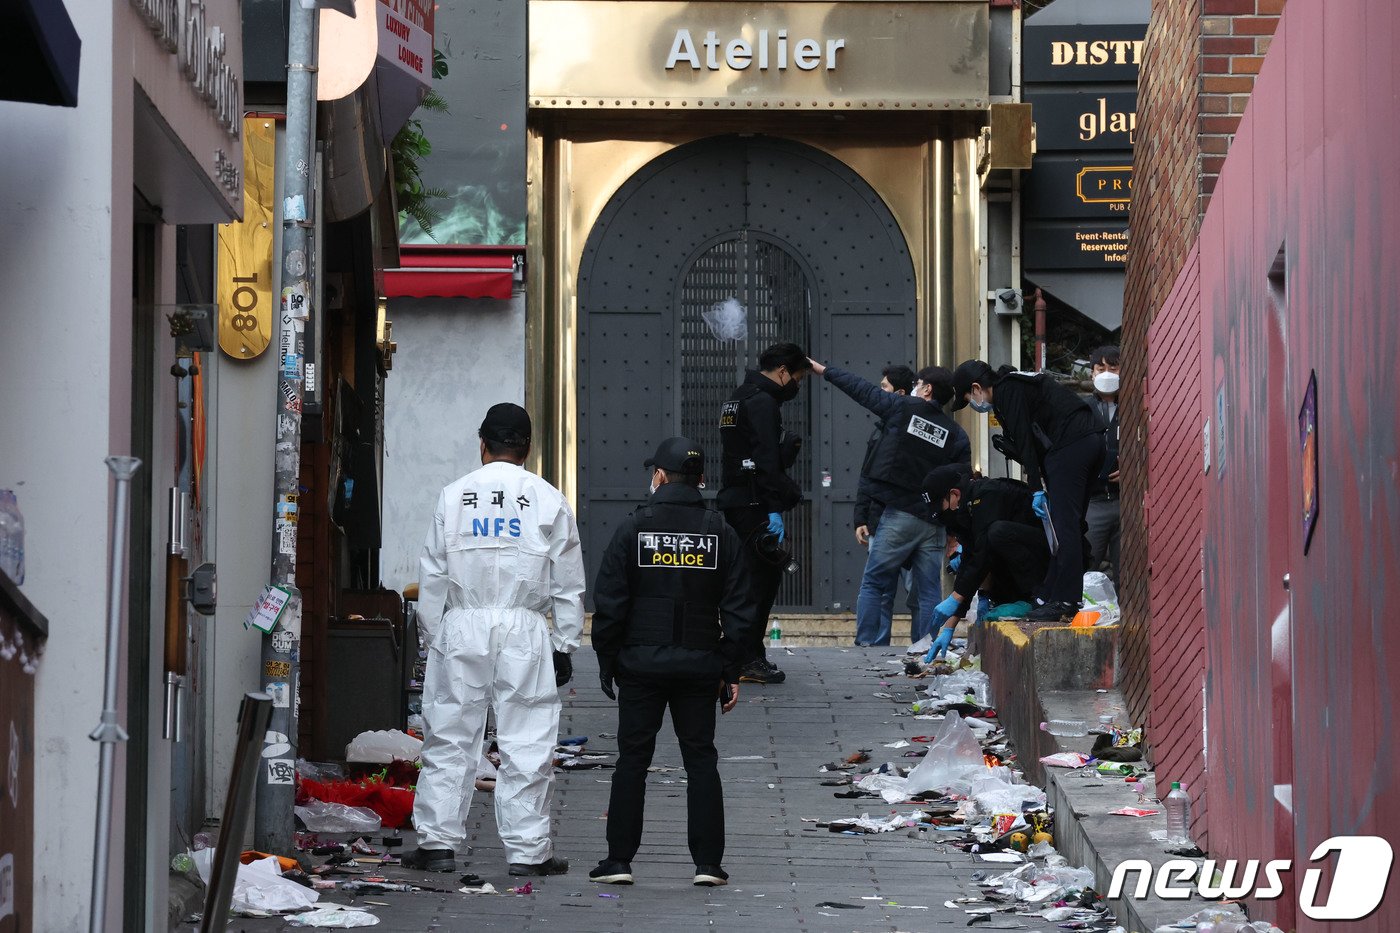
[
  {"x": 678, "y": 455},
  {"x": 941, "y": 480},
  {"x": 506, "y": 423},
  {"x": 968, "y": 372}
]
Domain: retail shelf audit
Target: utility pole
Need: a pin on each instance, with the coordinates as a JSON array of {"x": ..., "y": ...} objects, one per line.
[{"x": 276, "y": 779}]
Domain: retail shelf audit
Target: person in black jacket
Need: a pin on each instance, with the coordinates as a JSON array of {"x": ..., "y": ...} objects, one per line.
[
  {"x": 671, "y": 618},
  {"x": 918, "y": 437},
  {"x": 755, "y": 489},
  {"x": 1058, "y": 440},
  {"x": 1004, "y": 550},
  {"x": 1105, "y": 528},
  {"x": 898, "y": 379}
]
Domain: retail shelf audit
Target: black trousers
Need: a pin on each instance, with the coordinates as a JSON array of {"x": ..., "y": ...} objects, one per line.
[
  {"x": 1069, "y": 475},
  {"x": 1017, "y": 561},
  {"x": 641, "y": 704},
  {"x": 764, "y": 578}
]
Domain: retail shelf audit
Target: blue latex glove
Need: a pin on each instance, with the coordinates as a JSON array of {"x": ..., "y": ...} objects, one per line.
[
  {"x": 956, "y": 560},
  {"x": 940, "y": 645},
  {"x": 1038, "y": 505},
  {"x": 775, "y": 524},
  {"x": 947, "y": 608}
]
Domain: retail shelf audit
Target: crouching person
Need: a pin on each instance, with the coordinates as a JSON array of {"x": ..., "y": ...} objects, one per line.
[
  {"x": 670, "y": 622},
  {"x": 1004, "y": 550}
]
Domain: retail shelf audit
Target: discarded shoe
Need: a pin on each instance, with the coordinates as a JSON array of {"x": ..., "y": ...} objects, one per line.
[
  {"x": 1016, "y": 610},
  {"x": 710, "y": 876},
  {"x": 421, "y": 859},
  {"x": 555, "y": 866},
  {"x": 1053, "y": 612},
  {"x": 761, "y": 672},
  {"x": 611, "y": 872}
]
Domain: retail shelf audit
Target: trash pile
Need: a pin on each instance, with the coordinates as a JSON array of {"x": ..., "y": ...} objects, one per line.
[
  {"x": 572, "y": 754},
  {"x": 970, "y": 795}
]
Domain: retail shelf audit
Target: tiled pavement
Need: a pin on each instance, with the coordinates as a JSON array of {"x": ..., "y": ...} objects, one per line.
[{"x": 780, "y": 868}]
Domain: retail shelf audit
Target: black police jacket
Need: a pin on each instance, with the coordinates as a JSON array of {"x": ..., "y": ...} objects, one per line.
[
  {"x": 984, "y": 503},
  {"x": 751, "y": 428},
  {"x": 1103, "y": 487},
  {"x": 1038, "y": 415},
  {"x": 867, "y": 511},
  {"x": 917, "y": 436},
  {"x": 671, "y": 596}
]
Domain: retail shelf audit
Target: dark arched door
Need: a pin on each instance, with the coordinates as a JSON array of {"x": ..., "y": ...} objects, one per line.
[{"x": 813, "y": 256}]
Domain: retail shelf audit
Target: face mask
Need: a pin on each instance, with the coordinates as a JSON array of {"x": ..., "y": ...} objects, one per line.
[
  {"x": 652, "y": 490},
  {"x": 788, "y": 392},
  {"x": 945, "y": 516},
  {"x": 980, "y": 405},
  {"x": 1106, "y": 383}
]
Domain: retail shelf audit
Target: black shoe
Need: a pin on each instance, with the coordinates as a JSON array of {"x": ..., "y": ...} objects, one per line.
[
  {"x": 421, "y": 859},
  {"x": 710, "y": 876},
  {"x": 1053, "y": 612},
  {"x": 555, "y": 866},
  {"x": 612, "y": 872},
  {"x": 759, "y": 672}
]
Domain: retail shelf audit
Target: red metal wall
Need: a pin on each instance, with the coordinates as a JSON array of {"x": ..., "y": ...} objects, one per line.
[
  {"x": 1300, "y": 271},
  {"x": 1172, "y": 512}
]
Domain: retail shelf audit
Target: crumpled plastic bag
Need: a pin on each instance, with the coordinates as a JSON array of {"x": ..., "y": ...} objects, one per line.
[
  {"x": 319, "y": 770},
  {"x": 889, "y": 785},
  {"x": 953, "y": 760},
  {"x": 258, "y": 885},
  {"x": 1037, "y": 883},
  {"x": 1065, "y": 760},
  {"x": 921, "y": 646},
  {"x": 1101, "y": 597},
  {"x": 334, "y": 916},
  {"x": 995, "y": 795},
  {"x": 727, "y": 319},
  {"x": 865, "y": 823},
  {"x": 957, "y": 685},
  {"x": 322, "y": 817},
  {"x": 383, "y": 747},
  {"x": 1218, "y": 920}
]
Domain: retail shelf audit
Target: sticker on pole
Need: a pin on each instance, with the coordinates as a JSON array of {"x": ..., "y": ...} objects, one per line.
[
  {"x": 268, "y": 609},
  {"x": 281, "y": 771}
]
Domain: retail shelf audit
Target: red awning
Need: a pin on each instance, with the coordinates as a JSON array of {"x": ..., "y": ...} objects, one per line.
[{"x": 453, "y": 272}]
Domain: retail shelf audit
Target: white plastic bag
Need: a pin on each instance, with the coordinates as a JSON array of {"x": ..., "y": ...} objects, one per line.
[
  {"x": 1101, "y": 597},
  {"x": 334, "y": 916},
  {"x": 383, "y": 747},
  {"x": 727, "y": 319},
  {"x": 921, "y": 646},
  {"x": 953, "y": 760},
  {"x": 258, "y": 885},
  {"x": 994, "y": 795},
  {"x": 322, "y": 817}
]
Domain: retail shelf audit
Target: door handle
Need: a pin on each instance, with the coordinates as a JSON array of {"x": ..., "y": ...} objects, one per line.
[{"x": 1288, "y": 581}]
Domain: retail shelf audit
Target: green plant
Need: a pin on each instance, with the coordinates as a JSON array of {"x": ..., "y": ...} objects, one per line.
[{"x": 409, "y": 148}]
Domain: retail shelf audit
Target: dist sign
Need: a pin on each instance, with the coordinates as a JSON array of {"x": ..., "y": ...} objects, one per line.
[{"x": 245, "y": 250}]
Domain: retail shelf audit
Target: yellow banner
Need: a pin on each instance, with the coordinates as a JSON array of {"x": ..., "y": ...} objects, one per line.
[{"x": 245, "y": 250}]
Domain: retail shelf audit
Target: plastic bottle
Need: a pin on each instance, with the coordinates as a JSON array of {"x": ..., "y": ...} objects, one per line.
[
  {"x": 1066, "y": 727},
  {"x": 11, "y": 537},
  {"x": 1178, "y": 804},
  {"x": 775, "y": 635}
]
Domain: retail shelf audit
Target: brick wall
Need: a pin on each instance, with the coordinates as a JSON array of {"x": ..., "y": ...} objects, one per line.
[{"x": 1199, "y": 66}]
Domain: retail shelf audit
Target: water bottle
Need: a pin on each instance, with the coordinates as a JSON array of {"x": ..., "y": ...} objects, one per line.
[
  {"x": 775, "y": 635},
  {"x": 1065, "y": 727},
  {"x": 1178, "y": 804},
  {"x": 11, "y": 537}
]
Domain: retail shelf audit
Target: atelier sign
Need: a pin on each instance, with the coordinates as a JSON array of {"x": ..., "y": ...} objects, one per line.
[
  {"x": 180, "y": 27},
  {"x": 740, "y": 53}
]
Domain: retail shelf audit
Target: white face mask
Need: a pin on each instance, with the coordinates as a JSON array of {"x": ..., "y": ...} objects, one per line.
[
  {"x": 1106, "y": 383},
  {"x": 651, "y": 491}
]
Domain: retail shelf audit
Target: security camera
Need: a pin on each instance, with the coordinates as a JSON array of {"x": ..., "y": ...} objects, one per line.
[{"x": 1009, "y": 301}]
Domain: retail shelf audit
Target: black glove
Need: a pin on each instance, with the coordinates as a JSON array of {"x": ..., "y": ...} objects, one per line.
[
  {"x": 563, "y": 669},
  {"x": 605, "y": 677}
]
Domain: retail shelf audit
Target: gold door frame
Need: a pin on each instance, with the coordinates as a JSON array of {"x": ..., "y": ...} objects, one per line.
[{"x": 924, "y": 168}]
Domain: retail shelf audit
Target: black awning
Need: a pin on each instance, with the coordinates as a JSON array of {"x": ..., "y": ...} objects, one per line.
[{"x": 39, "y": 53}]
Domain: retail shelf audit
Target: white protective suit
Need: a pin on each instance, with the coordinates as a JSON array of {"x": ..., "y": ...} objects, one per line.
[{"x": 503, "y": 551}]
